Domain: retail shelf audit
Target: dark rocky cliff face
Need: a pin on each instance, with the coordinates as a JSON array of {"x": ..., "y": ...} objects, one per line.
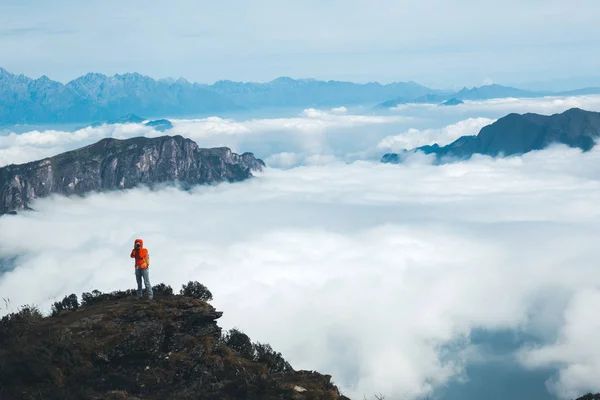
[{"x": 113, "y": 164}]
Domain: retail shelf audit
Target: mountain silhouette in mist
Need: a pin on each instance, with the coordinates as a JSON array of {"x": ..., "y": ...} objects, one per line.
[
  {"x": 518, "y": 134},
  {"x": 97, "y": 97},
  {"x": 452, "y": 102},
  {"x": 486, "y": 92},
  {"x": 160, "y": 125}
]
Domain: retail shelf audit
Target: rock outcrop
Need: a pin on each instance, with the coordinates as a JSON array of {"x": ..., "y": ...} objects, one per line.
[
  {"x": 452, "y": 102},
  {"x": 518, "y": 134},
  {"x": 113, "y": 164},
  {"x": 114, "y": 346},
  {"x": 160, "y": 125}
]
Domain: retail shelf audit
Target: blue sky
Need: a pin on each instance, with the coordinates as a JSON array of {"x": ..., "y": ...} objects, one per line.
[{"x": 441, "y": 43}]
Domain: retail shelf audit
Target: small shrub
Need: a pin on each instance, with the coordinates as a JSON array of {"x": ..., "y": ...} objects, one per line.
[
  {"x": 19, "y": 322},
  {"x": 258, "y": 352},
  {"x": 240, "y": 342},
  {"x": 25, "y": 314},
  {"x": 196, "y": 290},
  {"x": 263, "y": 353},
  {"x": 87, "y": 299},
  {"x": 590, "y": 396},
  {"x": 30, "y": 313},
  {"x": 162, "y": 289},
  {"x": 69, "y": 303}
]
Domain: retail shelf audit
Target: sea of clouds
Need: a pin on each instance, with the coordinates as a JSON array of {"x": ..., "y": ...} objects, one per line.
[
  {"x": 374, "y": 273},
  {"x": 312, "y": 137}
]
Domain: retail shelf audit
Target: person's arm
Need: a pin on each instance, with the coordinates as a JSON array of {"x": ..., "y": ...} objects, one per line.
[{"x": 132, "y": 255}]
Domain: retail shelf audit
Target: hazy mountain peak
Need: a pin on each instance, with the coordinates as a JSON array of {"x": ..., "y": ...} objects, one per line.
[
  {"x": 130, "y": 75},
  {"x": 4, "y": 73},
  {"x": 283, "y": 79},
  {"x": 93, "y": 75},
  {"x": 44, "y": 78},
  {"x": 516, "y": 134},
  {"x": 167, "y": 80},
  {"x": 182, "y": 81}
]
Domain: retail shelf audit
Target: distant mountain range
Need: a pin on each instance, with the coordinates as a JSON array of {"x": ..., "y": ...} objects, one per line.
[
  {"x": 96, "y": 97},
  {"x": 101, "y": 98},
  {"x": 113, "y": 164},
  {"x": 518, "y": 134},
  {"x": 287, "y": 92},
  {"x": 481, "y": 93}
]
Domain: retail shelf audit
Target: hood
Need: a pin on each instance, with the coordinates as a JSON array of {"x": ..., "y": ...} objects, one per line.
[{"x": 140, "y": 241}]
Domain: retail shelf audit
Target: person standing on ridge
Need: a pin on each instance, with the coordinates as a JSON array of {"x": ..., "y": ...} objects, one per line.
[{"x": 142, "y": 262}]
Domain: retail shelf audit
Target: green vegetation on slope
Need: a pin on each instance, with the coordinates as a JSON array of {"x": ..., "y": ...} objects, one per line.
[{"x": 115, "y": 346}]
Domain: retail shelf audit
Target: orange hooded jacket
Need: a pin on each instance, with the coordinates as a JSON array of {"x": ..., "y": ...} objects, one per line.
[{"x": 140, "y": 255}]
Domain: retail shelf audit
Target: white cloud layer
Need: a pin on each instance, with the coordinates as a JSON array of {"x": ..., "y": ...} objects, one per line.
[
  {"x": 415, "y": 138},
  {"x": 312, "y": 137},
  {"x": 364, "y": 271},
  {"x": 576, "y": 350},
  {"x": 313, "y": 133},
  {"x": 502, "y": 106}
]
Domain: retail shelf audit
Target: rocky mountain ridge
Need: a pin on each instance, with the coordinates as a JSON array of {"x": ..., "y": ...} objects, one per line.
[
  {"x": 113, "y": 164},
  {"x": 518, "y": 134},
  {"x": 114, "y": 346}
]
